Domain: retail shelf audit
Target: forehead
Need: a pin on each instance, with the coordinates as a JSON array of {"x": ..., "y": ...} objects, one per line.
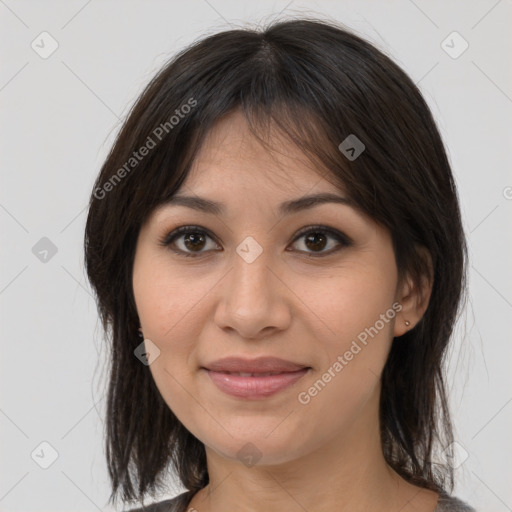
[{"x": 232, "y": 156}]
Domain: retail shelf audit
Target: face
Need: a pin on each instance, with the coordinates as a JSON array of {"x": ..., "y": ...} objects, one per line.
[{"x": 315, "y": 286}]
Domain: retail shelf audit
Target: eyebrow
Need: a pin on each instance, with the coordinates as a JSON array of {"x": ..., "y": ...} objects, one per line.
[{"x": 288, "y": 207}]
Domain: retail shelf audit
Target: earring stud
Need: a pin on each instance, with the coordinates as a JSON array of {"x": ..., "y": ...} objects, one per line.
[
  {"x": 407, "y": 323},
  {"x": 140, "y": 333}
]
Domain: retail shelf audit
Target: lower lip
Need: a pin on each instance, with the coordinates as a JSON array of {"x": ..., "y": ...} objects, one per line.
[{"x": 254, "y": 387}]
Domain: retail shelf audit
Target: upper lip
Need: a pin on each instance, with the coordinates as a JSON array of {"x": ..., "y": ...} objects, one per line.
[{"x": 260, "y": 364}]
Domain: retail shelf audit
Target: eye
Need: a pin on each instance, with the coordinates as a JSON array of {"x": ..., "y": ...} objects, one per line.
[
  {"x": 316, "y": 239},
  {"x": 193, "y": 239}
]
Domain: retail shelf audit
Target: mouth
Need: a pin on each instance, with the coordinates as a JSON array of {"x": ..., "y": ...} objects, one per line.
[{"x": 254, "y": 385}]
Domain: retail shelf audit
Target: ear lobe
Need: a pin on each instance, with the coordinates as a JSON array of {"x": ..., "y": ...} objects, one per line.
[{"x": 414, "y": 299}]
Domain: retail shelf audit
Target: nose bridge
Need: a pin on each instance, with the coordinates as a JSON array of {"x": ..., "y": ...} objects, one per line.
[
  {"x": 252, "y": 298},
  {"x": 251, "y": 276}
]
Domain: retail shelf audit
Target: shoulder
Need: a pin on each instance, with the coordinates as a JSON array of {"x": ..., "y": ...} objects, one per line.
[
  {"x": 177, "y": 504},
  {"x": 448, "y": 503}
]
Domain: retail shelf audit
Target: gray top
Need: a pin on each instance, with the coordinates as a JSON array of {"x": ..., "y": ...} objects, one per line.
[{"x": 446, "y": 503}]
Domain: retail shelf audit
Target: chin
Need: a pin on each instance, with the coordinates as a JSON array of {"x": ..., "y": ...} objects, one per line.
[
  {"x": 261, "y": 447},
  {"x": 258, "y": 453}
]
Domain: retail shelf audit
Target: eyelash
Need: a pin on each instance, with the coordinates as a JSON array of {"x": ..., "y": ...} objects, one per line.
[{"x": 342, "y": 239}]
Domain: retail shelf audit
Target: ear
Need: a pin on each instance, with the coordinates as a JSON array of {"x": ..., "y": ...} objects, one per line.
[{"x": 413, "y": 298}]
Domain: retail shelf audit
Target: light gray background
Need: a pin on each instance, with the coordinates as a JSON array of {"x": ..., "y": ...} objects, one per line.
[{"x": 59, "y": 118}]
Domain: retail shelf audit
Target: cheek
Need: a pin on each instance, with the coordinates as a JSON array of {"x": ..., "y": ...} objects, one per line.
[
  {"x": 169, "y": 319},
  {"x": 168, "y": 305},
  {"x": 166, "y": 299},
  {"x": 351, "y": 301},
  {"x": 361, "y": 315},
  {"x": 357, "y": 309}
]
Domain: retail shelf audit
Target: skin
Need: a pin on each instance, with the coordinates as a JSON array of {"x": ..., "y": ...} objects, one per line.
[{"x": 321, "y": 456}]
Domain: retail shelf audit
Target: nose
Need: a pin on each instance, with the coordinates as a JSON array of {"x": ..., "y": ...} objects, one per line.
[{"x": 254, "y": 299}]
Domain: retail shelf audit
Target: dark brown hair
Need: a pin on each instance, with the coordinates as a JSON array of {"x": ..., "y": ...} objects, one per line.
[{"x": 317, "y": 83}]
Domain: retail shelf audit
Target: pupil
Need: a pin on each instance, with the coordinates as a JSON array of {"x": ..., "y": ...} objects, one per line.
[{"x": 315, "y": 238}]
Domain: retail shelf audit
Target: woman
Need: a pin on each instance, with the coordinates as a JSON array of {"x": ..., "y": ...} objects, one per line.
[{"x": 276, "y": 248}]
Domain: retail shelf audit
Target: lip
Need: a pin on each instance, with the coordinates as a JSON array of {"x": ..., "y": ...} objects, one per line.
[{"x": 254, "y": 387}]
